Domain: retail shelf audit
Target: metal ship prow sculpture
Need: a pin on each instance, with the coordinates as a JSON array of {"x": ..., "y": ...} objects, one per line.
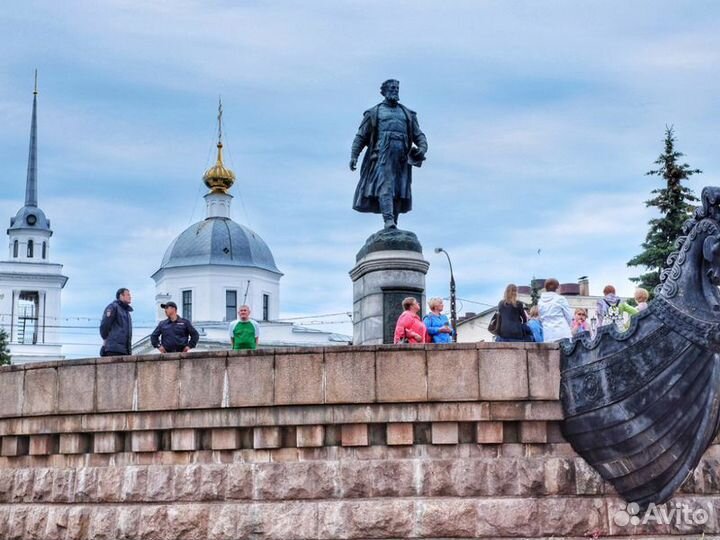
[{"x": 642, "y": 406}]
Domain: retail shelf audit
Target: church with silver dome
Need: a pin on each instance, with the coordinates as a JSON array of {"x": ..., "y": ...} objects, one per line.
[{"x": 217, "y": 265}]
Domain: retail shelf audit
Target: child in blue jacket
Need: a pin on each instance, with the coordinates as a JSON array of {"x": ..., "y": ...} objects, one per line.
[{"x": 535, "y": 324}]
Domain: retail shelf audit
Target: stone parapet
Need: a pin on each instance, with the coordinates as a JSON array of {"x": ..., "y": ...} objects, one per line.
[
  {"x": 486, "y": 394},
  {"x": 312, "y": 376},
  {"x": 456, "y": 441}
]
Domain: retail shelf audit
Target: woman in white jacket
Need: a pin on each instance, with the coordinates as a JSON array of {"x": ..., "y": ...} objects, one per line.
[{"x": 555, "y": 313}]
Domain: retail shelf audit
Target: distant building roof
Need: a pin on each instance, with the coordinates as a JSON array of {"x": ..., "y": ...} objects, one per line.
[{"x": 475, "y": 316}]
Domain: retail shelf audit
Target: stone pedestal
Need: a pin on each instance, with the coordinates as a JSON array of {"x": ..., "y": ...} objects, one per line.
[{"x": 390, "y": 267}]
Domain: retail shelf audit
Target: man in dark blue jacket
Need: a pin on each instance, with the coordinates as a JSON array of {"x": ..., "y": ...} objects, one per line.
[
  {"x": 174, "y": 334},
  {"x": 116, "y": 326}
]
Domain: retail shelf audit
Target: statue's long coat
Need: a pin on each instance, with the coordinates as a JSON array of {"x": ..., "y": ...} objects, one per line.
[{"x": 366, "y": 194}]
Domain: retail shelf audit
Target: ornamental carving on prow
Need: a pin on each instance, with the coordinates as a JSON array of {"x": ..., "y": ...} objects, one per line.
[
  {"x": 704, "y": 224},
  {"x": 642, "y": 406}
]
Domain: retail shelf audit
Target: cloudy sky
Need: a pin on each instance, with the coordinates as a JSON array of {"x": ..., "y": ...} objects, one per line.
[{"x": 541, "y": 119}]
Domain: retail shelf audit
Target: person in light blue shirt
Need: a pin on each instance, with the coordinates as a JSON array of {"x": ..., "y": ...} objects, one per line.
[{"x": 437, "y": 324}]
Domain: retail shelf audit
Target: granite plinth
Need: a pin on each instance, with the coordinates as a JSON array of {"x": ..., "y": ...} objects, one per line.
[{"x": 390, "y": 267}]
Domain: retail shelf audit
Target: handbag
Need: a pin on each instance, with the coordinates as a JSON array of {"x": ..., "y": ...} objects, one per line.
[
  {"x": 527, "y": 333},
  {"x": 494, "y": 326}
]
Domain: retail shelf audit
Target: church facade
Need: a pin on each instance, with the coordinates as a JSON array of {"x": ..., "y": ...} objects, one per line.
[
  {"x": 30, "y": 284},
  {"x": 217, "y": 265}
]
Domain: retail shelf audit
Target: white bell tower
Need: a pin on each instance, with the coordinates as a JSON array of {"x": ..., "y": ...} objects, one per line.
[{"x": 30, "y": 285}]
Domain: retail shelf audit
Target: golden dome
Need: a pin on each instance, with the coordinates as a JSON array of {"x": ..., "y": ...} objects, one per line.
[{"x": 218, "y": 177}]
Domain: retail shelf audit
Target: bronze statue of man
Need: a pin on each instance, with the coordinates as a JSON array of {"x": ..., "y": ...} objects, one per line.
[{"x": 394, "y": 142}]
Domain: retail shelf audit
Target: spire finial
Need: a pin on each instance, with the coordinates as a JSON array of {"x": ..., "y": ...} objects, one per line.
[
  {"x": 35, "y": 91},
  {"x": 220, "y": 111}
]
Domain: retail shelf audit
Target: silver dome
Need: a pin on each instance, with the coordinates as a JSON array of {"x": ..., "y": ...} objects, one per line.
[
  {"x": 30, "y": 217},
  {"x": 219, "y": 241}
]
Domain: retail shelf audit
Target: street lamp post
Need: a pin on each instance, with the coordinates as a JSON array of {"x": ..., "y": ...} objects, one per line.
[{"x": 453, "y": 312}]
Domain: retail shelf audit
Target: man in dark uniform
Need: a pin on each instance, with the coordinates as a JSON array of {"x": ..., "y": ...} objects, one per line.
[
  {"x": 394, "y": 142},
  {"x": 174, "y": 334},
  {"x": 116, "y": 326}
]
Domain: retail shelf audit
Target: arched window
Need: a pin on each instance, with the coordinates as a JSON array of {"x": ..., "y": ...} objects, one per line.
[
  {"x": 44, "y": 251},
  {"x": 31, "y": 249},
  {"x": 15, "y": 249}
]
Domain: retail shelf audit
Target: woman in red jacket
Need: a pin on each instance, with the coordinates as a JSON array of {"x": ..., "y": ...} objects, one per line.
[{"x": 409, "y": 325}]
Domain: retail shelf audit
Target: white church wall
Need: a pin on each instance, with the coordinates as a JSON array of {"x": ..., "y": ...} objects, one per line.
[
  {"x": 209, "y": 282},
  {"x": 209, "y": 285},
  {"x": 41, "y": 340},
  {"x": 45, "y": 279}
]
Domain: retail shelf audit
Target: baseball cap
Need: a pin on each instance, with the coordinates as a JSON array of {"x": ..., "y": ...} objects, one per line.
[{"x": 168, "y": 304}]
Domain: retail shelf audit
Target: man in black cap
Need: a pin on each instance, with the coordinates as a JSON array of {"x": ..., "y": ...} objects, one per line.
[{"x": 174, "y": 334}]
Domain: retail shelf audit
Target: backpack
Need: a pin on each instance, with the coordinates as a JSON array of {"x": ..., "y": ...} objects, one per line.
[{"x": 613, "y": 314}]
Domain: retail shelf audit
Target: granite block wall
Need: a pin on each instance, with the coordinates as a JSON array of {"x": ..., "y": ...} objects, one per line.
[{"x": 455, "y": 441}]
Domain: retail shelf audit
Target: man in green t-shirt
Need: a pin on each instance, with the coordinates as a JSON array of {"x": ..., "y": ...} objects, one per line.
[{"x": 244, "y": 332}]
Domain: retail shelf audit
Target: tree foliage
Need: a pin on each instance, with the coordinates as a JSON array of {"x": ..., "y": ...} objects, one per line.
[
  {"x": 4, "y": 351},
  {"x": 535, "y": 285},
  {"x": 674, "y": 202}
]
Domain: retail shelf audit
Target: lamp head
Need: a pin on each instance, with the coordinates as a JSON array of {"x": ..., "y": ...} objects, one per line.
[{"x": 438, "y": 250}]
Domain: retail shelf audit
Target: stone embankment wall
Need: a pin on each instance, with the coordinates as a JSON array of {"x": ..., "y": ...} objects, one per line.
[{"x": 456, "y": 441}]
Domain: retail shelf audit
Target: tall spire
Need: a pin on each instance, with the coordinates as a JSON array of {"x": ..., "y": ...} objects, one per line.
[{"x": 31, "y": 186}]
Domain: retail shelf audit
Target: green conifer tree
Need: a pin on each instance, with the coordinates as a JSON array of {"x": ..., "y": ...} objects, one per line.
[
  {"x": 4, "y": 351},
  {"x": 674, "y": 201},
  {"x": 534, "y": 291}
]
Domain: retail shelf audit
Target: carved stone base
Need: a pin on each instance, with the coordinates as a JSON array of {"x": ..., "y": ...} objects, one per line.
[{"x": 389, "y": 240}]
